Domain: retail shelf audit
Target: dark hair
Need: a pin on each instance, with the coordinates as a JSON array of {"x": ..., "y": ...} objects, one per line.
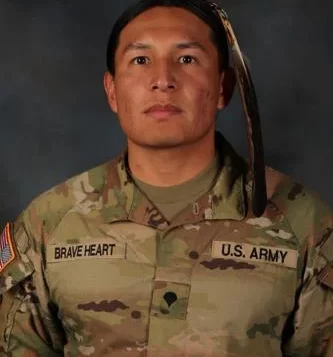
[{"x": 201, "y": 8}]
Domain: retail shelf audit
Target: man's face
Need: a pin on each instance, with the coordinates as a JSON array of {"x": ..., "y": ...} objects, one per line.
[{"x": 167, "y": 86}]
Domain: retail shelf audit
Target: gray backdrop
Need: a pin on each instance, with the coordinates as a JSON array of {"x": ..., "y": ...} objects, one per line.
[{"x": 55, "y": 121}]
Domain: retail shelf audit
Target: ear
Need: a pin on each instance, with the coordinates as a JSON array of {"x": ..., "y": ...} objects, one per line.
[
  {"x": 110, "y": 90},
  {"x": 227, "y": 86}
]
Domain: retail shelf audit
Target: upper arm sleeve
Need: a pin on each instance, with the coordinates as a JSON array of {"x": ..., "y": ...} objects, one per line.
[
  {"x": 28, "y": 323},
  {"x": 312, "y": 323}
]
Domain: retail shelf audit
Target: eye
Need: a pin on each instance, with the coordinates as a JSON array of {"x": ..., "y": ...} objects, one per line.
[
  {"x": 187, "y": 59},
  {"x": 140, "y": 60}
]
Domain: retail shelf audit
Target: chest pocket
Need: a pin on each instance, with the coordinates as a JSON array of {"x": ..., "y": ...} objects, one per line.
[
  {"x": 248, "y": 289},
  {"x": 95, "y": 269},
  {"x": 99, "y": 285}
]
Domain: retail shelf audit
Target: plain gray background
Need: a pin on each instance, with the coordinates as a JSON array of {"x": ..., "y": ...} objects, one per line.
[{"x": 55, "y": 121}]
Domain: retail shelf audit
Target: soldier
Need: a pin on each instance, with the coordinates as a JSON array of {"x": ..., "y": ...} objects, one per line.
[{"x": 171, "y": 249}]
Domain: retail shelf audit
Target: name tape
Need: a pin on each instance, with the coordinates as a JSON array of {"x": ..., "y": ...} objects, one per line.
[
  {"x": 100, "y": 250},
  {"x": 255, "y": 253}
]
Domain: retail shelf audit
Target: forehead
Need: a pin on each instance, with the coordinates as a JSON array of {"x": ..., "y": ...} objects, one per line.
[{"x": 165, "y": 22}]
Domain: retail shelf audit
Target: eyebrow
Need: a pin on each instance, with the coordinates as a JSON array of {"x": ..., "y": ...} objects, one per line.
[{"x": 181, "y": 45}]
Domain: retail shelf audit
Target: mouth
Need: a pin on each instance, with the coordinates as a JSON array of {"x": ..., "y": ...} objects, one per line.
[{"x": 159, "y": 111}]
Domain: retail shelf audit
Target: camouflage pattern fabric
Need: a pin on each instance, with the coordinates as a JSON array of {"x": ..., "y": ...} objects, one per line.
[{"x": 99, "y": 271}]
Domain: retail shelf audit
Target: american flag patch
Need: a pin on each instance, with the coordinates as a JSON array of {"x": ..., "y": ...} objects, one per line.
[{"x": 7, "y": 252}]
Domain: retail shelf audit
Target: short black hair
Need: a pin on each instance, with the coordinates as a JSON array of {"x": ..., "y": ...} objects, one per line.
[{"x": 201, "y": 8}]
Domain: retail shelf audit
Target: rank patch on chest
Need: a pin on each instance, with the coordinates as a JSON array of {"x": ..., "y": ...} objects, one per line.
[
  {"x": 80, "y": 251},
  {"x": 255, "y": 253},
  {"x": 7, "y": 252}
]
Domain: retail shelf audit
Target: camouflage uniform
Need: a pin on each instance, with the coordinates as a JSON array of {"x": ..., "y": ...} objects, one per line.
[{"x": 98, "y": 271}]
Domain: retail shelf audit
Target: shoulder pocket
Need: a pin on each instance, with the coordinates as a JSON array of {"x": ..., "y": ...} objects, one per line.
[{"x": 15, "y": 265}]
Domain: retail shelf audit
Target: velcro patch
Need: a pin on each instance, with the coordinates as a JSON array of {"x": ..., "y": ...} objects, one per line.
[
  {"x": 7, "y": 251},
  {"x": 255, "y": 253},
  {"x": 80, "y": 251}
]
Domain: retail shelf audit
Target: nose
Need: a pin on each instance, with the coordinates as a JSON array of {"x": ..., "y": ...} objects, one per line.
[{"x": 163, "y": 77}]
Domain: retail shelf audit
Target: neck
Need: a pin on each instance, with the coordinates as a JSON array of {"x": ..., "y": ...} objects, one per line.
[{"x": 170, "y": 166}]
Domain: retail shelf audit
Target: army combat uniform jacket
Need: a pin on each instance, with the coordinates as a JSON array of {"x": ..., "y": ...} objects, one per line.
[{"x": 92, "y": 268}]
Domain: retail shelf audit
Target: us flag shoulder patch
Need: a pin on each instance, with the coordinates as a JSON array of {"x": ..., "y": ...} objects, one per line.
[{"x": 7, "y": 251}]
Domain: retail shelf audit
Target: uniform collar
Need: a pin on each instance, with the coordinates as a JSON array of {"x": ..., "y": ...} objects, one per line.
[{"x": 226, "y": 199}]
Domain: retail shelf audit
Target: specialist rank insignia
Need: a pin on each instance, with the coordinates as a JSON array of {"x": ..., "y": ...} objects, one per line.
[{"x": 7, "y": 251}]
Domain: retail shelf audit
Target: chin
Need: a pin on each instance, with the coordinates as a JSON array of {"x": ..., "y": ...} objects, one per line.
[{"x": 160, "y": 142}]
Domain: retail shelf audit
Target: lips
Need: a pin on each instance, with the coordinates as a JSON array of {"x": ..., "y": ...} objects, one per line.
[{"x": 162, "y": 111}]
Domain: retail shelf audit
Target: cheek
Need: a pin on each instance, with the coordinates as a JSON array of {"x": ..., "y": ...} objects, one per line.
[
  {"x": 204, "y": 92},
  {"x": 127, "y": 96},
  {"x": 206, "y": 101},
  {"x": 131, "y": 99}
]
